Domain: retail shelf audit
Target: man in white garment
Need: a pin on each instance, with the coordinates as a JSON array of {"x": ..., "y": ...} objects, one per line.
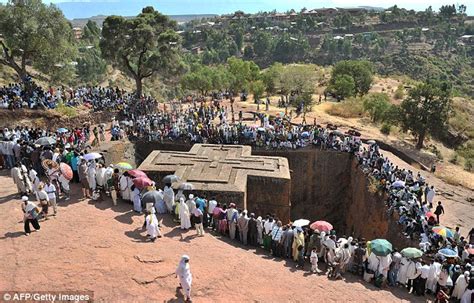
[
  {"x": 124, "y": 187},
  {"x": 184, "y": 215},
  {"x": 152, "y": 225},
  {"x": 21, "y": 179},
  {"x": 91, "y": 171},
  {"x": 183, "y": 273},
  {"x": 51, "y": 191},
  {"x": 433, "y": 276},
  {"x": 232, "y": 214},
  {"x": 168, "y": 197}
]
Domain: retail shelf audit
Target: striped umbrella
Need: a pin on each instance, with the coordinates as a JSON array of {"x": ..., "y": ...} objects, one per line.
[{"x": 443, "y": 231}]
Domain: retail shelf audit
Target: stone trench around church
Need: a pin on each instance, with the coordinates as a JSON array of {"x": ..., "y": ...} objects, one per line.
[{"x": 325, "y": 185}]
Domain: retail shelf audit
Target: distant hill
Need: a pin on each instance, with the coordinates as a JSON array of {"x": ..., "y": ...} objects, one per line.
[{"x": 81, "y": 22}]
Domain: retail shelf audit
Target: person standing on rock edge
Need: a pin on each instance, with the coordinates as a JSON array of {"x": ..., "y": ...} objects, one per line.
[
  {"x": 183, "y": 273},
  {"x": 439, "y": 211}
]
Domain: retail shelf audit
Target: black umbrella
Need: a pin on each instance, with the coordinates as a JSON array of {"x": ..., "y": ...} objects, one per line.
[
  {"x": 170, "y": 179},
  {"x": 151, "y": 196}
]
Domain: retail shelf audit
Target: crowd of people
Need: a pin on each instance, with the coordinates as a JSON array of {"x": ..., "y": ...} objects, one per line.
[{"x": 410, "y": 198}]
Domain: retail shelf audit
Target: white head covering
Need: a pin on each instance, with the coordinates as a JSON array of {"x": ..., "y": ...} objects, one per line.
[
  {"x": 191, "y": 196},
  {"x": 24, "y": 198},
  {"x": 152, "y": 210}
]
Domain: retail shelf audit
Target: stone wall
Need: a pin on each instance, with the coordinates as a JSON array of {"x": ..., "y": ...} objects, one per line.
[{"x": 325, "y": 185}]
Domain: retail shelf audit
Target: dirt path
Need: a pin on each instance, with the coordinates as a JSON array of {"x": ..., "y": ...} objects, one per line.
[{"x": 101, "y": 248}]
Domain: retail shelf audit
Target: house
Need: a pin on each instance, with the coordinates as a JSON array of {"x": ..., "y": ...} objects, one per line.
[
  {"x": 328, "y": 12},
  {"x": 77, "y": 31},
  {"x": 354, "y": 11}
]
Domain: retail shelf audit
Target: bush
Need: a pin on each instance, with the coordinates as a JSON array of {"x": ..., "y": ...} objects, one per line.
[
  {"x": 454, "y": 159},
  {"x": 469, "y": 165},
  {"x": 350, "y": 108},
  {"x": 399, "y": 93},
  {"x": 386, "y": 128},
  {"x": 65, "y": 110},
  {"x": 376, "y": 105}
]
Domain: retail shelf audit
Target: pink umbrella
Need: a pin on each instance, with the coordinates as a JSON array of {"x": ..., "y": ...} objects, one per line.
[
  {"x": 66, "y": 170},
  {"x": 142, "y": 182},
  {"x": 136, "y": 173},
  {"x": 321, "y": 226}
]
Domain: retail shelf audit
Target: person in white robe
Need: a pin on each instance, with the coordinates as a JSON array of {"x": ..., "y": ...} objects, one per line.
[
  {"x": 101, "y": 177},
  {"x": 467, "y": 296},
  {"x": 168, "y": 197},
  {"x": 433, "y": 276},
  {"x": 137, "y": 202},
  {"x": 124, "y": 186},
  {"x": 403, "y": 272},
  {"x": 183, "y": 273},
  {"x": 152, "y": 225},
  {"x": 91, "y": 177},
  {"x": 64, "y": 185},
  {"x": 184, "y": 215},
  {"x": 461, "y": 285},
  {"x": 21, "y": 179}
]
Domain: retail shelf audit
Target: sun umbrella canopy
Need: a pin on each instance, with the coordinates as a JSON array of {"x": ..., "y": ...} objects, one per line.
[
  {"x": 370, "y": 141},
  {"x": 92, "y": 156},
  {"x": 45, "y": 141},
  {"x": 411, "y": 252},
  {"x": 186, "y": 186},
  {"x": 137, "y": 173},
  {"x": 123, "y": 165},
  {"x": 142, "y": 182},
  {"x": 66, "y": 170},
  {"x": 443, "y": 231},
  {"x": 62, "y": 130},
  {"x": 46, "y": 163},
  {"x": 448, "y": 253},
  {"x": 337, "y": 133},
  {"x": 301, "y": 223},
  {"x": 321, "y": 226},
  {"x": 381, "y": 247},
  {"x": 152, "y": 196},
  {"x": 398, "y": 184},
  {"x": 170, "y": 179}
]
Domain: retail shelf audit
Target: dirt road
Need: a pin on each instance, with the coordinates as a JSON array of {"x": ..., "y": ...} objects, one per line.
[{"x": 102, "y": 248}]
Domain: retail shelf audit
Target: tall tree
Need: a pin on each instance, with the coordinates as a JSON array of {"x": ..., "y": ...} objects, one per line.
[
  {"x": 360, "y": 71},
  {"x": 426, "y": 109},
  {"x": 141, "y": 46},
  {"x": 34, "y": 34}
]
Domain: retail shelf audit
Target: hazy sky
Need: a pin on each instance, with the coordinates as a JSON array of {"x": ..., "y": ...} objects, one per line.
[{"x": 87, "y": 8}]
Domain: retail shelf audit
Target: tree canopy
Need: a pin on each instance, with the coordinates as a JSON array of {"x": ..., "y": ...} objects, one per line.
[
  {"x": 426, "y": 109},
  {"x": 361, "y": 73},
  {"x": 141, "y": 46},
  {"x": 35, "y": 34}
]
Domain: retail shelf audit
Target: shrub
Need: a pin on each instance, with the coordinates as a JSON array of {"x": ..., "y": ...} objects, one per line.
[
  {"x": 65, "y": 110},
  {"x": 399, "y": 93},
  {"x": 386, "y": 128},
  {"x": 454, "y": 159},
  {"x": 469, "y": 165},
  {"x": 350, "y": 108},
  {"x": 376, "y": 105}
]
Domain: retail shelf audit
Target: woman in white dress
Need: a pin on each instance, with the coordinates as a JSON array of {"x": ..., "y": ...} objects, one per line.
[
  {"x": 461, "y": 285},
  {"x": 184, "y": 215},
  {"x": 183, "y": 273},
  {"x": 152, "y": 225}
]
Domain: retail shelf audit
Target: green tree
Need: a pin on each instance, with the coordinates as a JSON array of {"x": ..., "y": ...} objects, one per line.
[
  {"x": 257, "y": 88},
  {"x": 426, "y": 109},
  {"x": 199, "y": 79},
  {"x": 376, "y": 104},
  {"x": 91, "y": 33},
  {"x": 343, "y": 86},
  {"x": 447, "y": 11},
  {"x": 91, "y": 67},
  {"x": 262, "y": 44},
  {"x": 34, "y": 34},
  {"x": 141, "y": 46},
  {"x": 360, "y": 71},
  {"x": 243, "y": 72},
  {"x": 248, "y": 52}
]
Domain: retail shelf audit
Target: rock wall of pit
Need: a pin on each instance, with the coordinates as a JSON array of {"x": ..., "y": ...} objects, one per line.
[{"x": 325, "y": 185}]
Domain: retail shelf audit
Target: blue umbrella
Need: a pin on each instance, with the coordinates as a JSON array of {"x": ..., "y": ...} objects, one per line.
[
  {"x": 381, "y": 247},
  {"x": 62, "y": 130},
  {"x": 448, "y": 253}
]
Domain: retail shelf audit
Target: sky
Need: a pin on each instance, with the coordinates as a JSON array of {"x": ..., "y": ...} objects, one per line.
[{"x": 87, "y": 8}]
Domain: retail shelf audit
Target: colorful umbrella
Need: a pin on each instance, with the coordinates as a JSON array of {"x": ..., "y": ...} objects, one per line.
[
  {"x": 45, "y": 141},
  {"x": 443, "y": 231},
  {"x": 321, "y": 226},
  {"x": 142, "y": 182},
  {"x": 66, "y": 170},
  {"x": 300, "y": 223},
  {"x": 381, "y": 247},
  {"x": 92, "y": 156},
  {"x": 448, "y": 253},
  {"x": 411, "y": 252},
  {"x": 429, "y": 214},
  {"x": 47, "y": 162},
  {"x": 137, "y": 173},
  {"x": 123, "y": 165}
]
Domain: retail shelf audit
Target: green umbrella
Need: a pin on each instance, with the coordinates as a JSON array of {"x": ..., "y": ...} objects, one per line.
[
  {"x": 381, "y": 247},
  {"x": 411, "y": 252}
]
